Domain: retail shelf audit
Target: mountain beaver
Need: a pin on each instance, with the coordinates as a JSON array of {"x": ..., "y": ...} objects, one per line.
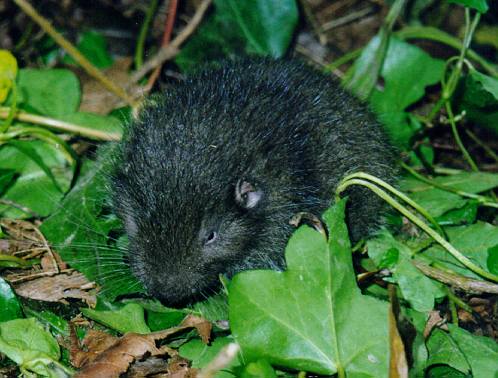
[{"x": 209, "y": 175}]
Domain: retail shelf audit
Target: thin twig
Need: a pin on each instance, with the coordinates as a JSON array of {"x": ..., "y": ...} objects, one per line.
[
  {"x": 74, "y": 52},
  {"x": 60, "y": 125},
  {"x": 171, "y": 50},
  {"x": 55, "y": 265},
  {"x": 483, "y": 145},
  {"x": 168, "y": 31},
  {"x": 466, "y": 284},
  {"x": 30, "y": 277},
  {"x": 458, "y": 140}
]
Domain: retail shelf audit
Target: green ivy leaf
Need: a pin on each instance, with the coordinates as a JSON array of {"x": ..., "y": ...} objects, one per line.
[
  {"x": 129, "y": 318},
  {"x": 480, "y": 352},
  {"x": 263, "y": 27},
  {"x": 6, "y": 177},
  {"x": 479, "y": 5},
  {"x": 492, "y": 260},
  {"x": 108, "y": 124},
  {"x": 473, "y": 241},
  {"x": 201, "y": 355},
  {"x": 160, "y": 317},
  {"x": 33, "y": 188},
  {"x": 27, "y": 149},
  {"x": 261, "y": 368},
  {"x": 407, "y": 70},
  {"x": 466, "y": 214},
  {"x": 438, "y": 201},
  {"x": 444, "y": 371},
  {"x": 11, "y": 309},
  {"x": 445, "y": 351},
  {"x": 419, "y": 290},
  {"x": 93, "y": 46},
  {"x": 30, "y": 346},
  {"x": 58, "y": 325},
  {"x": 51, "y": 92},
  {"x": 478, "y": 96},
  {"x": 311, "y": 317}
]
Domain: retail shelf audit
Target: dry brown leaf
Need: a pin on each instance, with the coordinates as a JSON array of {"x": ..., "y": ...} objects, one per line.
[
  {"x": 398, "y": 365},
  {"x": 57, "y": 288},
  {"x": 152, "y": 366},
  {"x": 179, "y": 367},
  {"x": 117, "y": 358},
  {"x": 96, "y": 98},
  {"x": 94, "y": 343},
  {"x": 434, "y": 320},
  {"x": 24, "y": 238},
  {"x": 202, "y": 326}
]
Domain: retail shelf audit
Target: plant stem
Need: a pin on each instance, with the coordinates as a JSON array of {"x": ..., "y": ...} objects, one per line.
[
  {"x": 397, "y": 193},
  {"x": 483, "y": 200},
  {"x": 60, "y": 125},
  {"x": 448, "y": 277},
  {"x": 458, "y": 140},
  {"x": 459, "y": 302},
  {"x": 170, "y": 51},
  {"x": 453, "y": 310},
  {"x": 139, "y": 50},
  {"x": 42, "y": 134},
  {"x": 483, "y": 145},
  {"x": 434, "y": 34},
  {"x": 342, "y": 60},
  {"x": 418, "y": 222},
  {"x": 14, "y": 259},
  {"x": 74, "y": 52}
]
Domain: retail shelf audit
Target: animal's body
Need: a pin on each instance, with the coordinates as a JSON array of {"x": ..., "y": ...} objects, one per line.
[{"x": 208, "y": 177}]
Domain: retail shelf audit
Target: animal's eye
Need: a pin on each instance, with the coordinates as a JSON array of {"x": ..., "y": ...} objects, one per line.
[{"x": 212, "y": 236}]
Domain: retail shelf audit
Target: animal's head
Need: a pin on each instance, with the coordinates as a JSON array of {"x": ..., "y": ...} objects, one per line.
[
  {"x": 208, "y": 177},
  {"x": 190, "y": 211}
]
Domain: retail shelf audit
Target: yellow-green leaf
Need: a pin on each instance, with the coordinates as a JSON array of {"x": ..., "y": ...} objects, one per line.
[{"x": 8, "y": 73}]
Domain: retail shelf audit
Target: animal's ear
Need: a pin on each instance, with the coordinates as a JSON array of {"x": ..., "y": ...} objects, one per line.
[{"x": 247, "y": 195}]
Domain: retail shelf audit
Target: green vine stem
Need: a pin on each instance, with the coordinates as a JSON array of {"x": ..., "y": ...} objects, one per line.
[
  {"x": 43, "y": 135},
  {"x": 434, "y": 34},
  {"x": 139, "y": 50},
  {"x": 483, "y": 200},
  {"x": 397, "y": 193},
  {"x": 459, "y": 302},
  {"x": 418, "y": 222},
  {"x": 15, "y": 260},
  {"x": 458, "y": 140},
  {"x": 483, "y": 145},
  {"x": 453, "y": 309},
  {"x": 60, "y": 125},
  {"x": 449, "y": 86}
]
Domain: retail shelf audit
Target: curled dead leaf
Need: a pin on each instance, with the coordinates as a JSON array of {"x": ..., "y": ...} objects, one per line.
[
  {"x": 57, "y": 288},
  {"x": 105, "y": 356}
]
